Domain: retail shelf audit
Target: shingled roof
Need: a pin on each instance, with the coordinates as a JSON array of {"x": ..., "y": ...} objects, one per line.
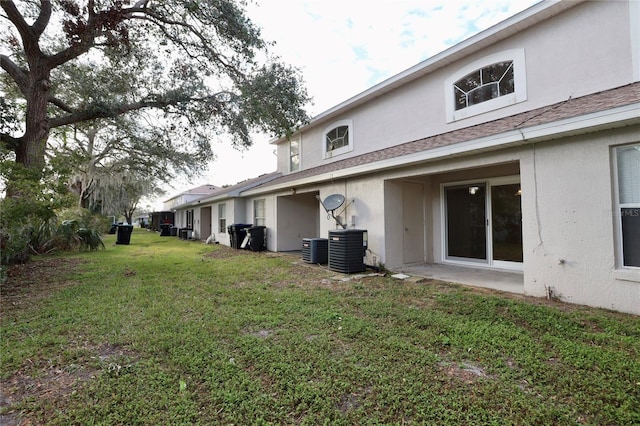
[{"x": 572, "y": 107}]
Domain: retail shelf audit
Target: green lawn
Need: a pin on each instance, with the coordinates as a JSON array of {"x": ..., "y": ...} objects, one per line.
[{"x": 165, "y": 331}]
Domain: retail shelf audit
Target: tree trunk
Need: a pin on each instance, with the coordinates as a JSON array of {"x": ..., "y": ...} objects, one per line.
[{"x": 30, "y": 152}]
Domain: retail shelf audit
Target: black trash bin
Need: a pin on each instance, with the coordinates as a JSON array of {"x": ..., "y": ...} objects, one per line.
[
  {"x": 165, "y": 229},
  {"x": 174, "y": 231},
  {"x": 124, "y": 234},
  {"x": 113, "y": 228},
  {"x": 257, "y": 238},
  {"x": 237, "y": 233}
]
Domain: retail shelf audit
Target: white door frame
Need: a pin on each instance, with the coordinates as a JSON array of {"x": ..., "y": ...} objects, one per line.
[{"x": 489, "y": 262}]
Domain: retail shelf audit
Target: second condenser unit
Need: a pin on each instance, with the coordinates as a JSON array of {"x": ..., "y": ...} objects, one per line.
[{"x": 315, "y": 250}]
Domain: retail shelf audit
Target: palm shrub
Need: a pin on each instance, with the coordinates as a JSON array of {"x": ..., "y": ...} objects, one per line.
[{"x": 68, "y": 234}]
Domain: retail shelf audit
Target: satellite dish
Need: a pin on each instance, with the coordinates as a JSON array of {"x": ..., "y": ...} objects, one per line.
[{"x": 333, "y": 202}]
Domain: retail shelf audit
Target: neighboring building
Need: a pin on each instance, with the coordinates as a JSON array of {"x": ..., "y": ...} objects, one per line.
[
  {"x": 515, "y": 150},
  {"x": 184, "y": 219},
  {"x": 211, "y": 214}
]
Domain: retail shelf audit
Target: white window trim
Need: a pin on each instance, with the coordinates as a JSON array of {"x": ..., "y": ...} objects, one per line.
[
  {"x": 220, "y": 218},
  {"x": 622, "y": 272},
  {"x": 519, "y": 95},
  {"x": 489, "y": 262},
  {"x": 256, "y": 218},
  {"x": 339, "y": 151}
]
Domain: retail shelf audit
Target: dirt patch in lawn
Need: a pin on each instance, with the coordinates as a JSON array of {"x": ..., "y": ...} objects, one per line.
[
  {"x": 28, "y": 283},
  {"x": 24, "y": 286},
  {"x": 55, "y": 383},
  {"x": 226, "y": 252}
]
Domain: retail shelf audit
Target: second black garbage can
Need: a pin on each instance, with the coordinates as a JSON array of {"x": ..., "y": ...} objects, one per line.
[
  {"x": 165, "y": 229},
  {"x": 257, "y": 238},
  {"x": 124, "y": 234}
]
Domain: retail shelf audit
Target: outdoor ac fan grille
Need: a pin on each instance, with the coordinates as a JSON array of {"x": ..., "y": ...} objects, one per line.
[
  {"x": 315, "y": 250},
  {"x": 346, "y": 251}
]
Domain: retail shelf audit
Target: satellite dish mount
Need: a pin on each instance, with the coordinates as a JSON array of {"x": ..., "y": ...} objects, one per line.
[{"x": 331, "y": 204}]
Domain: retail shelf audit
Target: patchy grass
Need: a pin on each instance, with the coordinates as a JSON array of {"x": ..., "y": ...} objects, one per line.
[{"x": 165, "y": 331}]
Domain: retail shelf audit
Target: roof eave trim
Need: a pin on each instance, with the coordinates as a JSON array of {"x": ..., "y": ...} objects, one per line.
[{"x": 608, "y": 119}]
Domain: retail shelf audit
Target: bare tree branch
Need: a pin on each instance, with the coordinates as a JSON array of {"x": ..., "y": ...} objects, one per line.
[
  {"x": 18, "y": 75},
  {"x": 43, "y": 19}
]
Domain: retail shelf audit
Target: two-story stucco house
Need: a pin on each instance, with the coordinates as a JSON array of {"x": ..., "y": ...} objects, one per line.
[{"x": 515, "y": 150}]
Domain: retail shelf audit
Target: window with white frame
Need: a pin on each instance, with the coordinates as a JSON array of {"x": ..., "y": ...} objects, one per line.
[
  {"x": 492, "y": 82},
  {"x": 482, "y": 85},
  {"x": 189, "y": 219},
  {"x": 628, "y": 204},
  {"x": 222, "y": 218},
  {"x": 294, "y": 156},
  {"x": 259, "y": 213},
  {"x": 338, "y": 139}
]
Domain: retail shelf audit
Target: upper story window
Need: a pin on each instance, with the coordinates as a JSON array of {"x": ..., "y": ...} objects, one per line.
[
  {"x": 490, "y": 83},
  {"x": 338, "y": 139},
  {"x": 294, "y": 156},
  {"x": 484, "y": 84}
]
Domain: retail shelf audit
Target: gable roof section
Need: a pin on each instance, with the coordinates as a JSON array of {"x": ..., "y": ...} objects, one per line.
[
  {"x": 198, "y": 190},
  {"x": 501, "y": 133},
  {"x": 233, "y": 190}
]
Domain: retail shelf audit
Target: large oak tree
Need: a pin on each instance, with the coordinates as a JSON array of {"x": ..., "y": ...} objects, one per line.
[{"x": 200, "y": 66}]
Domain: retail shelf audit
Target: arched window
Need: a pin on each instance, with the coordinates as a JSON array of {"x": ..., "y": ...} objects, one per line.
[
  {"x": 493, "y": 82},
  {"x": 484, "y": 84},
  {"x": 338, "y": 139}
]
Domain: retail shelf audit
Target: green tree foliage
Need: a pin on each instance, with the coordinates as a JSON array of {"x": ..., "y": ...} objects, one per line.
[
  {"x": 200, "y": 67},
  {"x": 113, "y": 168},
  {"x": 23, "y": 217}
]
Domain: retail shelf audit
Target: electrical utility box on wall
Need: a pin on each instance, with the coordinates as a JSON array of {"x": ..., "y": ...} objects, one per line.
[
  {"x": 347, "y": 249},
  {"x": 315, "y": 250}
]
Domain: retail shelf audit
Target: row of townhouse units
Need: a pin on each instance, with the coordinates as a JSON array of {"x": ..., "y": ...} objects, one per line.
[{"x": 515, "y": 153}]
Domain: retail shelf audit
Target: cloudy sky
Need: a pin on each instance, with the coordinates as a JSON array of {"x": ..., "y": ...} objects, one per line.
[{"x": 344, "y": 47}]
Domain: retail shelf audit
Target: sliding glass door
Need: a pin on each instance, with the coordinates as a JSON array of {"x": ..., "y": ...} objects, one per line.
[
  {"x": 466, "y": 218},
  {"x": 483, "y": 222},
  {"x": 506, "y": 223}
]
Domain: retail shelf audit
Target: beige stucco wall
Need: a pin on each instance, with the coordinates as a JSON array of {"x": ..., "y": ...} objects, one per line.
[
  {"x": 568, "y": 212},
  {"x": 569, "y": 229},
  {"x": 569, "y": 222}
]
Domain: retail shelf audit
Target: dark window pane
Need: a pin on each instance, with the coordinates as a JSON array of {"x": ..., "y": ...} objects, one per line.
[
  {"x": 469, "y": 81},
  {"x": 337, "y": 138},
  {"x": 484, "y": 93},
  {"x": 460, "y": 98},
  {"x": 506, "y": 219},
  {"x": 484, "y": 84},
  {"x": 494, "y": 72},
  {"x": 631, "y": 236},
  {"x": 466, "y": 221},
  {"x": 507, "y": 84}
]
